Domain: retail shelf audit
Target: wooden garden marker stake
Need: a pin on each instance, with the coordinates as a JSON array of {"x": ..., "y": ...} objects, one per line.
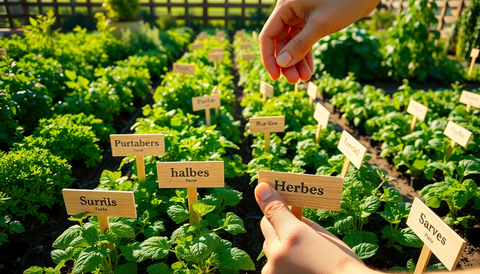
[
  {"x": 302, "y": 190},
  {"x": 322, "y": 115},
  {"x": 191, "y": 175},
  {"x": 266, "y": 90},
  {"x": 437, "y": 237},
  {"x": 183, "y": 69},
  {"x": 197, "y": 46},
  {"x": 254, "y": 35},
  {"x": 470, "y": 99},
  {"x": 296, "y": 87},
  {"x": 474, "y": 55},
  {"x": 418, "y": 111},
  {"x": 206, "y": 102},
  {"x": 266, "y": 125},
  {"x": 100, "y": 203},
  {"x": 246, "y": 46},
  {"x": 215, "y": 91},
  {"x": 3, "y": 53},
  {"x": 458, "y": 135},
  {"x": 249, "y": 57},
  {"x": 312, "y": 92},
  {"x": 353, "y": 151},
  {"x": 215, "y": 57},
  {"x": 138, "y": 145}
]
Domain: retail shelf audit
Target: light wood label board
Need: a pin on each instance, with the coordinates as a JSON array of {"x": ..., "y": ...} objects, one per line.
[
  {"x": 197, "y": 46},
  {"x": 248, "y": 56},
  {"x": 205, "y": 102},
  {"x": 352, "y": 149},
  {"x": 246, "y": 46},
  {"x": 3, "y": 53},
  {"x": 312, "y": 90},
  {"x": 217, "y": 50},
  {"x": 313, "y": 191},
  {"x": 215, "y": 57},
  {"x": 215, "y": 91},
  {"x": 183, "y": 68},
  {"x": 474, "y": 53},
  {"x": 190, "y": 174},
  {"x": 322, "y": 115},
  {"x": 457, "y": 133},
  {"x": 267, "y": 124},
  {"x": 266, "y": 89},
  {"x": 417, "y": 109},
  {"x": 438, "y": 236},
  {"x": 470, "y": 98},
  {"x": 137, "y": 144},
  {"x": 100, "y": 202}
]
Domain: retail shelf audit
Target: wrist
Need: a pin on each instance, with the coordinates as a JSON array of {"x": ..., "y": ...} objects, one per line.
[{"x": 357, "y": 268}]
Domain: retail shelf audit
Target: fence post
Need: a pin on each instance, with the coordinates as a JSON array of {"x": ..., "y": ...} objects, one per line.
[{"x": 205, "y": 13}]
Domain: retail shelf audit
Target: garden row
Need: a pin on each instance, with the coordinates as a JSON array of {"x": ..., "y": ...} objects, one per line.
[
  {"x": 194, "y": 243},
  {"x": 364, "y": 192}
]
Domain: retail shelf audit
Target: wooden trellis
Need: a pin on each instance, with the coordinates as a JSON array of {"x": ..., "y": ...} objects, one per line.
[
  {"x": 13, "y": 10},
  {"x": 449, "y": 12}
]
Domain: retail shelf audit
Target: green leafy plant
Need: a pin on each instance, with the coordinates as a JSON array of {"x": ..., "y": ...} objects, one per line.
[
  {"x": 410, "y": 268},
  {"x": 465, "y": 33},
  {"x": 121, "y": 10},
  {"x": 32, "y": 180}
]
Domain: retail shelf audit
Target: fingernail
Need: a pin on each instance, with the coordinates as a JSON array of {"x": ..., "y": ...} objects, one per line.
[
  {"x": 263, "y": 191},
  {"x": 284, "y": 59}
]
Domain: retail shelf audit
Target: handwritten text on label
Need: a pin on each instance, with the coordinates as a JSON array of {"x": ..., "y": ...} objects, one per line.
[
  {"x": 352, "y": 149},
  {"x": 267, "y": 124},
  {"x": 470, "y": 98},
  {"x": 205, "y": 102},
  {"x": 457, "y": 133},
  {"x": 417, "y": 109},
  {"x": 184, "y": 68}
]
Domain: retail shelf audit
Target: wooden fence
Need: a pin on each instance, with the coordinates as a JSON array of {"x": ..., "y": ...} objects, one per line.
[
  {"x": 447, "y": 13},
  {"x": 15, "y": 13}
]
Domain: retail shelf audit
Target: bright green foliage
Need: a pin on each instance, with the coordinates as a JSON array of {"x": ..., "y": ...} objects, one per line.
[
  {"x": 10, "y": 131},
  {"x": 121, "y": 10},
  {"x": 7, "y": 227},
  {"x": 349, "y": 50},
  {"x": 410, "y": 268},
  {"x": 32, "y": 179},
  {"x": 70, "y": 137},
  {"x": 466, "y": 31},
  {"x": 331, "y": 86}
]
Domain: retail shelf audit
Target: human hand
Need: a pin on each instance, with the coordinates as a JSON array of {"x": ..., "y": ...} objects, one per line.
[
  {"x": 293, "y": 246},
  {"x": 295, "y": 26}
]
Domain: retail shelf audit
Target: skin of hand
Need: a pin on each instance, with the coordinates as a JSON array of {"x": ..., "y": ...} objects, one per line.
[
  {"x": 294, "y": 246},
  {"x": 295, "y": 26}
]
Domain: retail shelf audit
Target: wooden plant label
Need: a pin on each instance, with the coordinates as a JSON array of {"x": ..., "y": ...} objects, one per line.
[
  {"x": 255, "y": 35},
  {"x": 215, "y": 57},
  {"x": 470, "y": 99},
  {"x": 246, "y": 46},
  {"x": 313, "y": 191},
  {"x": 3, "y": 53},
  {"x": 322, "y": 115},
  {"x": 248, "y": 56},
  {"x": 205, "y": 102},
  {"x": 418, "y": 110},
  {"x": 190, "y": 174},
  {"x": 217, "y": 50},
  {"x": 353, "y": 150},
  {"x": 457, "y": 133},
  {"x": 312, "y": 92},
  {"x": 266, "y": 89},
  {"x": 183, "y": 68},
  {"x": 197, "y": 46},
  {"x": 475, "y": 53},
  {"x": 215, "y": 91},
  {"x": 438, "y": 237},
  {"x": 100, "y": 202},
  {"x": 137, "y": 144},
  {"x": 267, "y": 124}
]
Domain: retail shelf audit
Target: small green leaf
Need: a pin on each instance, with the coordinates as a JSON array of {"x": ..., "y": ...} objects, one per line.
[
  {"x": 122, "y": 230},
  {"x": 89, "y": 259},
  {"x": 407, "y": 237},
  {"x": 153, "y": 248},
  {"x": 71, "y": 75},
  {"x": 33, "y": 22},
  {"x": 64, "y": 240},
  {"x": 365, "y": 250},
  {"x": 202, "y": 209},
  {"x": 178, "y": 214},
  {"x": 232, "y": 224},
  {"x": 128, "y": 268},
  {"x": 15, "y": 227},
  {"x": 159, "y": 268}
]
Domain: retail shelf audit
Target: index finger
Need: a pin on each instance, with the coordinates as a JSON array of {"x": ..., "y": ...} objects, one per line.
[{"x": 273, "y": 28}]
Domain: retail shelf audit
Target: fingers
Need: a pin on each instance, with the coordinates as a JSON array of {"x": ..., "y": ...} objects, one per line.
[
  {"x": 275, "y": 210},
  {"x": 273, "y": 28},
  {"x": 268, "y": 231}
]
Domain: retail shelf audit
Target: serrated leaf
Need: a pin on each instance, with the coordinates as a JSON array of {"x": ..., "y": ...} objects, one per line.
[
  {"x": 202, "y": 209},
  {"x": 344, "y": 223},
  {"x": 232, "y": 224},
  {"x": 89, "y": 259},
  {"x": 370, "y": 204},
  {"x": 365, "y": 250},
  {"x": 154, "y": 229},
  {"x": 90, "y": 235},
  {"x": 64, "y": 240},
  {"x": 202, "y": 247},
  {"x": 178, "y": 214},
  {"x": 407, "y": 237},
  {"x": 153, "y": 248},
  {"x": 229, "y": 197},
  {"x": 128, "y": 268},
  {"x": 159, "y": 268},
  {"x": 236, "y": 259},
  {"x": 122, "y": 230},
  {"x": 59, "y": 255},
  {"x": 15, "y": 227}
]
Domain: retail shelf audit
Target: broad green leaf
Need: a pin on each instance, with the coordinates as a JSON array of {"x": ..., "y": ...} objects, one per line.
[
  {"x": 33, "y": 22},
  {"x": 407, "y": 237},
  {"x": 202, "y": 247},
  {"x": 232, "y": 224},
  {"x": 391, "y": 195},
  {"x": 34, "y": 270},
  {"x": 344, "y": 223},
  {"x": 236, "y": 259},
  {"x": 59, "y": 255},
  {"x": 71, "y": 75},
  {"x": 159, "y": 268},
  {"x": 153, "y": 248},
  {"x": 15, "y": 227},
  {"x": 387, "y": 232},
  {"x": 365, "y": 250},
  {"x": 154, "y": 229},
  {"x": 90, "y": 235},
  {"x": 230, "y": 197},
  {"x": 178, "y": 214},
  {"x": 370, "y": 204},
  {"x": 202, "y": 209},
  {"x": 122, "y": 230},
  {"x": 128, "y": 268},
  {"x": 64, "y": 240},
  {"x": 89, "y": 259}
]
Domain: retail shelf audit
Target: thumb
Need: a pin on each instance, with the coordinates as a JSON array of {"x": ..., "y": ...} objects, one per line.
[
  {"x": 275, "y": 209},
  {"x": 297, "y": 48}
]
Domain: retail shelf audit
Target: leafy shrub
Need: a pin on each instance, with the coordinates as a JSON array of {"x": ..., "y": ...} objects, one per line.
[
  {"x": 349, "y": 50},
  {"x": 32, "y": 179},
  {"x": 10, "y": 131},
  {"x": 70, "y": 137},
  {"x": 121, "y": 10},
  {"x": 466, "y": 31}
]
